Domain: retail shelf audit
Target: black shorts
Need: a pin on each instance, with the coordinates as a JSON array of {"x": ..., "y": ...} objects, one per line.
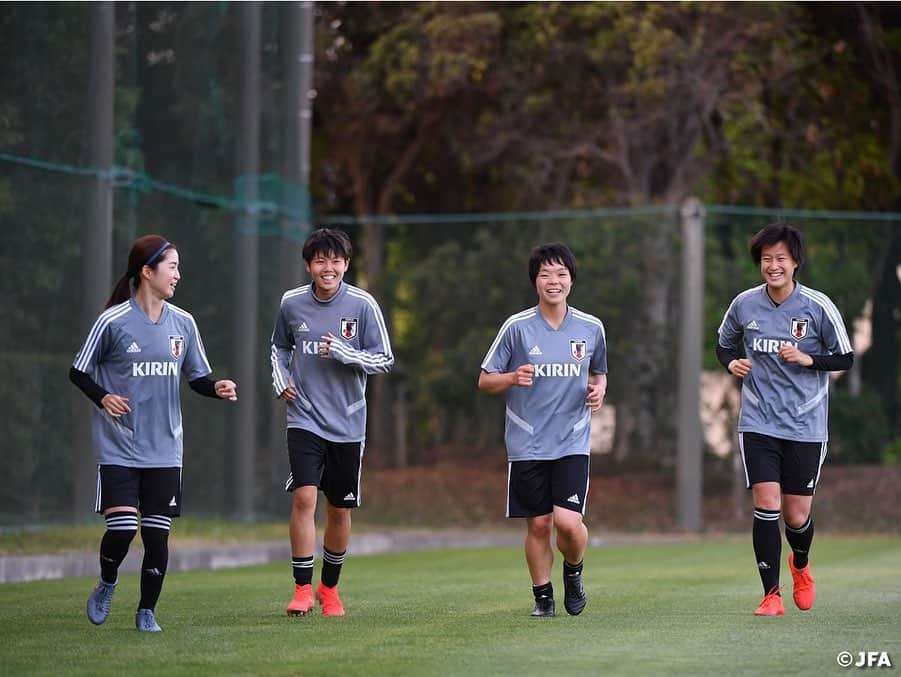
[
  {"x": 153, "y": 491},
  {"x": 794, "y": 465},
  {"x": 334, "y": 467},
  {"x": 535, "y": 487}
]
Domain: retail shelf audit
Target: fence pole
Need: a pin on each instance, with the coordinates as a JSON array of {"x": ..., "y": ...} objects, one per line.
[
  {"x": 689, "y": 471},
  {"x": 97, "y": 230},
  {"x": 246, "y": 270}
]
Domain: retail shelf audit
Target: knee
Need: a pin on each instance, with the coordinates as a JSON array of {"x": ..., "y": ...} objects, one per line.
[
  {"x": 569, "y": 526},
  {"x": 304, "y": 501},
  {"x": 795, "y": 517},
  {"x": 767, "y": 498},
  {"x": 540, "y": 527},
  {"x": 339, "y": 517}
]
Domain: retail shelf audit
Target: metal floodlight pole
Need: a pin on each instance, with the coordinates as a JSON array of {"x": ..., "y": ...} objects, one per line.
[
  {"x": 97, "y": 229},
  {"x": 690, "y": 454}
]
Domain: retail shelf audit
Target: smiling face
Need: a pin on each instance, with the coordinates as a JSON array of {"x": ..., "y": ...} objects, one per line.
[
  {"x": 778, "y": 268},
  {"x": 327, "y": 270},
  {"x": 162, "y": 279},
  {"x": 553, "y": 284}
]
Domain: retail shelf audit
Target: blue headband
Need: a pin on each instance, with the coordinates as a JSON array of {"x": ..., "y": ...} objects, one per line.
[{"x": 158, "y": 252}]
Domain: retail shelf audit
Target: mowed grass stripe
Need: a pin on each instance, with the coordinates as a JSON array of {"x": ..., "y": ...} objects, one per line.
[{"x": 664, "y": 609}]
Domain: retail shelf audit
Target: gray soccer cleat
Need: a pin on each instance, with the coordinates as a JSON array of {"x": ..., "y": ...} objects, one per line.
[
  {"x": 544, "y": 607},
  {"x": 145, "y": 622},
  {"x": 100, "y": 601},
  {"x": 574, "y": 597}
]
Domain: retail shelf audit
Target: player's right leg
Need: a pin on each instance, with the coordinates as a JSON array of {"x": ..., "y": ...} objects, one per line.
[
  {"x": 305, "y": 454},
  {"x": 762, "y": 456},
  {"x": 117, "y": 500},
  {"x": 529, "y": 496},
  {"x": 540, "y": 559}
]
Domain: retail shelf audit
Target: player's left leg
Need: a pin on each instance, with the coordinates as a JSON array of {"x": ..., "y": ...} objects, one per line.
[
  {"x": 155, "y": 535},
  {"x": 802, "y": 472},
  {"x": 341, "y": 479},
  {"x": 334, "y": 546},
  {"x": 161, "y": 492},
  {"x": 570, "y": 493}
]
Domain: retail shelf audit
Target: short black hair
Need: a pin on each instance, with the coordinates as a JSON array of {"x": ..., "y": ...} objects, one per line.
[
  {"x": 551, "y": 253},
  {"x": 775, "y": 233},
  {"x": 327, "y": 241}
]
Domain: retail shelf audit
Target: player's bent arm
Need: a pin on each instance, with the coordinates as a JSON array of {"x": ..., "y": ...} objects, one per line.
[
  {"x": 222, "y": 389},
  {"x": 496, "y": 382},
  {"x": 832, "y": 362},
  {"x": 726, "y": 355},
  {"x": 88, "y": 386}
]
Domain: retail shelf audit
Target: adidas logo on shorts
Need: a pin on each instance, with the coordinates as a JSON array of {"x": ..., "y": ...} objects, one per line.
[
  {"x": 350, "y": 497},
  {"x": 573, "y": 499}
]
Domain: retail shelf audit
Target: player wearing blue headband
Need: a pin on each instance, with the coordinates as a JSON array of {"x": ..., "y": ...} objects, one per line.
[{"x": 130, "y": 367}]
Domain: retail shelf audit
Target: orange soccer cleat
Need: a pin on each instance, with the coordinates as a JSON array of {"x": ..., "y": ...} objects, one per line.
[
  {"x": 302, "y": 602},
  {"x": 803, "y": 590},
  {"x": 771, "y": 604},
  {"x": 331, "y": 603}
]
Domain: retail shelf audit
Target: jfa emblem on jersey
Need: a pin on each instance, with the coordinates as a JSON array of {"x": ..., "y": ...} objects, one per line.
[
  {"x": 799, "y": 327},
  {"x": 348, "y": 327},
  {"x": 577, "y": 348},
  {"x": 176, "y": 346}
]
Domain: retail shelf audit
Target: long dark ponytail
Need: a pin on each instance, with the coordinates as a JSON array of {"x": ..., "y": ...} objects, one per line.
[{"x": 146, "y": 251}]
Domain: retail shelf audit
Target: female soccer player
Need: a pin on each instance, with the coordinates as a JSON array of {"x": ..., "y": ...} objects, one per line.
[
  {"x": 129, "y": 366},
  {"x": 550, "y": 361},
  {"x": 790, "y": 337},
  {"x": 328, "y": 337}
]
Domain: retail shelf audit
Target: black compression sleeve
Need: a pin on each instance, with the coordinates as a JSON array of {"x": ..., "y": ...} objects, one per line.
[
  {"x": 88, "y": 386},
  {"x": 832, "y": 362},
  {"x": 204, "y": 386},
  {"x": 726, "y": 355}
]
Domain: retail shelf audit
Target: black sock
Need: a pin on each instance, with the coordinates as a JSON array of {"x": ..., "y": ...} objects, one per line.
[
  {"x": 121, "y": 528},
  {"x": 800, "y": 539},
  {"x": 572, "y": 569},
  {"x": 545, "y": 591},
  {"x": 155, "y": 534},
  {"x": 331, "y": 567},
  {"x": 303, "y": 570},
  {"x": 767, "y": 547}
]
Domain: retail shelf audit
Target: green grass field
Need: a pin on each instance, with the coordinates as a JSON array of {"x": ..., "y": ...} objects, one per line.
[{"x": 653, "y": 609}]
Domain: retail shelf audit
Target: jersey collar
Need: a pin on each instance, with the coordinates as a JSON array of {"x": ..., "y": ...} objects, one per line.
[
  {"x": 566, "y": 318},
  {"x": 341, "y": 289},
  {"x": 143, "y": 315}
]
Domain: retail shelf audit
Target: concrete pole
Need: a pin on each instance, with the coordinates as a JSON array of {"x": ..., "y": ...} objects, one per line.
[
  {"x": 690, "y": 456},
  {"x": 246, "y": 269},
  {"x": 297, "y": 51},
  {"x": 97, "y": 230}
]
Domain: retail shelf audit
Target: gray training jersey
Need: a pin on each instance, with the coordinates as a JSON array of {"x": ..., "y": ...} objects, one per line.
[
  {"x": 549, "y": 419},
  {"x": 129, "y": 355},
  {"x": 331, "y": 391},
  {"x": 782, "y": 399}
]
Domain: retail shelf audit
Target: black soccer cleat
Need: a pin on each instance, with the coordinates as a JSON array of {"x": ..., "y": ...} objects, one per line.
[
  {"x": 574, "y": 597},
  {"x": 544, "y": 606}
]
